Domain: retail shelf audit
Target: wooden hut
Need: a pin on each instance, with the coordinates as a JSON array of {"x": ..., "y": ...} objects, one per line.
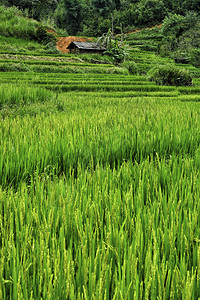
[{"x": 85, "y": 47}]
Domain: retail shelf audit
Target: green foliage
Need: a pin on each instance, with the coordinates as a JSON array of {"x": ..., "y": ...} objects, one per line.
[
  {"x": 72, "y": 15},
  {"x": 195, "y": 56},
  {"x": 14, "y": 95},
  {"x": 50, "y": 47},
  {"x": 149, "y": 12},
  {"x": 92, "y": 17},
  {"x": 181, "y": 35},
  {"x": 131, "y": 66},
  {"x": 173, "y": 25},
  {"x": 176, "y": 25},
  {"x": 21, "y": 67},
  {"x": 12, "y": 44},
  {"x": 170, "y": 75},
  {"x": 118, "y": 51},
  {"x": 103, "y": 7},
  {"x": 12, "y": 23},
  {"x": 35, "y": 9},
  {"x": 44, "y": 37}
]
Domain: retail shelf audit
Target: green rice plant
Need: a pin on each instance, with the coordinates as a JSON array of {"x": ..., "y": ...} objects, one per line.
[
  {"x": 103, "y": 240},
  {"x": 189, "y": 90},
  {"x": 127, "y": 142},
  {"x": 15, "y": 95},
  {"x": 105, "y": 87},
  {"x": 130, "y": 94},
  {"x": 67, "y": 77},
  {"x": 12, "y": 67}
]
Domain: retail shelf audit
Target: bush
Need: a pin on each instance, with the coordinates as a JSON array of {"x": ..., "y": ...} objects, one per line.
[
  {"x": 117, "y": 53},
  {"x": 195, "y": 57},
  {"x": 51, "y": 48},
  {"x": 170, "y": 75},
  {"x": 131, "y": 66},
  {"x": 44, "y": 37},
  {"x": 13, "y": 23}
]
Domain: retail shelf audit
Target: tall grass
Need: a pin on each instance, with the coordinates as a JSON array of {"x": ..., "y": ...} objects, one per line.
[
  {"x": 20, "y": 95},
  {"x": 12, "y": 23},
  {"x": 106, "y": 131},
  {"x": 127, "y": 233},
  {"x": 19, "y": 45},
  {"x": 101, "y": 202}
]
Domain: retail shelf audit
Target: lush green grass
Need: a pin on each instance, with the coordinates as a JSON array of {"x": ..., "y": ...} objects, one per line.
[
  {"x": 14, "y": 24},
  {"x": 60, "y": 68},
  {"x": 13, "y": 44},
  {"x": 21, "y": 95}
]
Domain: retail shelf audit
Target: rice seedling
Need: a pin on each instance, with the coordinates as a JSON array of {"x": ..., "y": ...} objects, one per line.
[{"x": 21, "y": 95}]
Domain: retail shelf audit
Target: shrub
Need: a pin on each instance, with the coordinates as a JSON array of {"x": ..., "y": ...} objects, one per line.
[
  {"x": 51, "y": 48},
  {"x": 131, "y": 66},
  {"x": 44, "y": 37},
  {"x": 117, "y": 53},
  {"x": 195, "y": 57},
  {"x": 170, "y": 75},
  {"x": 13, "y": 23}
]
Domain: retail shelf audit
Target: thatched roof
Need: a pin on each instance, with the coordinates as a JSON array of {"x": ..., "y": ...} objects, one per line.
[{"x": 86, "y": 46}]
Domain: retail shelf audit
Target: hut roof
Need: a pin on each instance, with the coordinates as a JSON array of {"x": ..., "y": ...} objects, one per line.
[{"x": 86, "y": 46}]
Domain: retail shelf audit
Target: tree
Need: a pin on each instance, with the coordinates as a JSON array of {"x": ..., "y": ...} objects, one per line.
[
  {"x": 193, "y": 5},
  {"x": 117, "y": 4},
  {"x": 72, "y": 15},
  {"x": 103, "y": 7},
  {"x": 37, "y": 8},
  {"x": 176, "y": 24},
  {"x": 150, "y": 12},
  {"x": 181, "y": 36}
]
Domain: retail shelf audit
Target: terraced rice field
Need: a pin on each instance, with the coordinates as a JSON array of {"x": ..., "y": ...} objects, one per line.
[{"x": 99, "y": 183}]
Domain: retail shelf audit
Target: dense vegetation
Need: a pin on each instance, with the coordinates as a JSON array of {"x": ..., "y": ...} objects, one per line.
[
  {"x": 99, "y": 172},
  {"x": 93, "y": 17},
  {"x": 179, "y": 36}
]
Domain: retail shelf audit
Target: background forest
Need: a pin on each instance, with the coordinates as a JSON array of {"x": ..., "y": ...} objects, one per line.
[{"x": 94, "y": 17}]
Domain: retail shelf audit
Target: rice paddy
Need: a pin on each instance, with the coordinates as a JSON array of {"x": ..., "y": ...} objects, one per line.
[{"x": 99, "y": 183}]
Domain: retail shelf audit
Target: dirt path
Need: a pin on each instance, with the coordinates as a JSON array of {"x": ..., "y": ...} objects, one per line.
[{"x": 64, "y": 42}]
